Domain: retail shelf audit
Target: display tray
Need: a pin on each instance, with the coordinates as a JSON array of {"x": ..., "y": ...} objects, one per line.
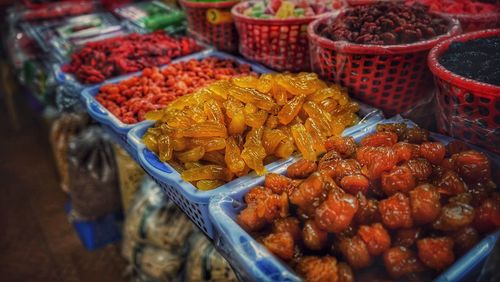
[
  {"x": 116, "y": 127},
  {"x": 255, "y": 263},
  {"x": 69, "y": 81},
  {"x": 195, "y": 202}
]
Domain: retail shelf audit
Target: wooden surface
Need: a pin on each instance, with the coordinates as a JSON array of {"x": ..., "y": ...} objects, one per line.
[{"x": 37, "y": 243}]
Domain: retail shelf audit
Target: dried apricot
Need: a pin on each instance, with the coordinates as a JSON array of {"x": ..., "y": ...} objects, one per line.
[
  {"x": 310, "y": 193},
  {"x": 399, "y": 179},
  {"x": 407, "y": 237},
  {"x": 301, "y": 169},
  {"x": 316, "y": 269},
  {"x": 454, "y": 216},
  {"x": 401, "y": 261},
  {"x": 277, "y": 183},
  {"x": 281, "y": 244},
  {"x": 353, "y": 184},
  {"x": 420, "y": 168},
  {"x": 379, "y": 139},
  {"x": 345, "y": 146},
  {"x": 425, "y": 204},
  {"x": 355, "y": 252},
  {"x": 376, "y": 238},
  {"x": 314, "y": 237},
  {"x": 290, "y": 225},
  {"x": 336, "y": 212},
  {"x": 472, "y": 166},
  {"x": 433, "y": 152},
  {"x": 436, "y": 253},
  {"x": 396, "y": 211}
]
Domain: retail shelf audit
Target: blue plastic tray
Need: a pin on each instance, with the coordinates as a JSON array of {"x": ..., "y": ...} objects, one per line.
[
  {"x": 117, "y": 129},
  {"x": 195, "y": 202},
  {"x": 98, "y": 233},
  {"x": 255, "y": 263}
]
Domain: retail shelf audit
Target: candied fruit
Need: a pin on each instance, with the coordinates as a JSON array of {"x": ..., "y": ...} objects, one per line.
[
  {"x": 335, "y": 214},
  {"x": 376, "y": 238},
  {"x": 355, "y": 252},
  {"x": 436, "y": 253},
  {"x": 425, "y": 204},
  {"x": 401, "y": 261},
  {"x": 246, "y": 122},
  {"x": 396, "y": 211}
]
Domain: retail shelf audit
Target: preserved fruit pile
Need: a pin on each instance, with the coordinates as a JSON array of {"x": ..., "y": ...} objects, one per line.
[
  {"x": 132, "y": 98},
  {"x": 396, "y": 206},
  {"x": 234, "y": 126},
  {"x": 384, "y": 23},
  {"x": 100, "y": 60}
]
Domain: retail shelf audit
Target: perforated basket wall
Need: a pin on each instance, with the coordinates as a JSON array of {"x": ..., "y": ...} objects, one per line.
[
  {"x": 475, "y": 22},
  {"x": 219, "y": 31},
  {"x": 466, "y": 109},
  {"x": 393, "y": 78},
  {"x": 278, "y": 44}
]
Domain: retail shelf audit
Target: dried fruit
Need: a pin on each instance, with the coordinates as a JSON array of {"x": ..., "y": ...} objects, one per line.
[
  {"x": 246, "y": 122},
  {"x": 436, "y": 253}
]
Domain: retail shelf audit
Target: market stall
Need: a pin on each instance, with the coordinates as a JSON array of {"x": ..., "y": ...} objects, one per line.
[{"x": 274, "y": 140}]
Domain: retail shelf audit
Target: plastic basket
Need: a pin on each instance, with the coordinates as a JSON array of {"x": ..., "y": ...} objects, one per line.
[
  {"x": 393, "y": 78},
  {"x": 255, "y": 263},
  {"x": 466, "y": 109},
  {"x": 117, "y": 129},
  {"x": 95, "y": 234},
  {"x": 211, "y": 22},
  {"x": 278, "y": 44},
  {"x": 194, "y": 202},
  {"x": 475, "y": 22}
]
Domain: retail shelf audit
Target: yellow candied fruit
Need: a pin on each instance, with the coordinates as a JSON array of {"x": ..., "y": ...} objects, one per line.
[{"x": 232, "y": 127}]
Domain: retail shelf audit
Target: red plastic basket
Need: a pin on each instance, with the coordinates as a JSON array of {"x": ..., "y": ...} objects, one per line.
[
  {"x": 278, "y": 44},
  {"x": 212, "y": 23},
  {"x": 393, "y": 78},
  {"x": 474, "y": 22},
  {"x": 466, "y": 109}
]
